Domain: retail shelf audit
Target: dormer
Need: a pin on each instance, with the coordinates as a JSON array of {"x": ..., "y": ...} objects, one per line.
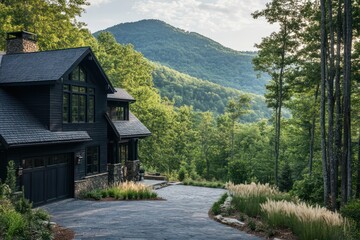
[{"x": 118, "y": 105}]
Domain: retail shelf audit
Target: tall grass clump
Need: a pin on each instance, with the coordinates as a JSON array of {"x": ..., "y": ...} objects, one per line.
[
  {"x": 123, "y": 191},
  {"x": 248, "y": 197},
  {"x": 216, "y": 207},
  {"x": 307, "y": 222}
]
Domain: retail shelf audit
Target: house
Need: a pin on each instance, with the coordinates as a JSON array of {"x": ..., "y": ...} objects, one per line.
[{"x": 62, "y": 122}]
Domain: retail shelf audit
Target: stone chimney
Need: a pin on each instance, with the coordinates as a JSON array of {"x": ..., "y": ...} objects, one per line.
[{"x": 21, "y": 42}]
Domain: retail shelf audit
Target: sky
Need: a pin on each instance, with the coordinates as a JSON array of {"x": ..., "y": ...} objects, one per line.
[{"x": 228, "y": 22}]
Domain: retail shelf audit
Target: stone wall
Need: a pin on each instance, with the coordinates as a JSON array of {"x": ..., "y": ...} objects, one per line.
[
  {"x": 115, "y": 173},
  {"x": 91, "y": 182},
  {"x": 132, "y": 170},
  {"x": 21, "y": 45}
]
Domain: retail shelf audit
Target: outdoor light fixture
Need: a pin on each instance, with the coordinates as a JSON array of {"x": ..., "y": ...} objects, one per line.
[
  {"x": 78, "y": 159},
  {"x": 20, "y": 171}
]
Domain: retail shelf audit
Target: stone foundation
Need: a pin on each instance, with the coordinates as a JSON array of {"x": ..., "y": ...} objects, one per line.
[
  {"x": 89, "y": 183},
  {"x": 115, "y": 173},
  {"x": 132, "y": 170}
]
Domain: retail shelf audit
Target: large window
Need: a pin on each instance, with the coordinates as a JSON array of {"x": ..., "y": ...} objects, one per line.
[
  {"x": 124, "y": 152},
  {"x": 78, "y": 101},
  {"x": 92, "y": 160},
  {"x": 118, "y": 113}
]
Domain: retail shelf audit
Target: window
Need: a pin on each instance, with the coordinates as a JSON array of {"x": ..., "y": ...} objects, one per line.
[
  {"x": 78, "y": 104},
  {"x": 42, "y": 161},
  {"x": 92, "y": 160},
  {"x": 78, "y": 74},
  {"x": 124, "y": 152},
  {"x": 118, "y": 113}
]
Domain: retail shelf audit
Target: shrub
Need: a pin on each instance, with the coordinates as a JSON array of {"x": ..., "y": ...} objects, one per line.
[
  {"x": 12, "y": 224},
  {"x": 352, "y": 212},
  {"x": 204, "y": 183},
  {"x": 307, "y": 222},
  {"x": 216, "y": 207},
  {"x": 238, "y": 172},
  {"x": 182, "y": 174},
  {"x": 310, "y": 189},
  {"x": 123, "y": 191},
  {"x": 11, "y": 176}
]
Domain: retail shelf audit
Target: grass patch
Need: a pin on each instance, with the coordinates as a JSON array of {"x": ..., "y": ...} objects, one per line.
[
  {"x": 204, "y": 183},
  {"x": 248, "y": 197},
  {"x": 123, "y": 191},
  {"x": 307, "y": 222},
  {"x": 216, "y": 207}
]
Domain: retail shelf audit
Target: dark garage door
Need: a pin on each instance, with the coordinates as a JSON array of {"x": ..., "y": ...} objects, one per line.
[{"x": 47, "y": 178}]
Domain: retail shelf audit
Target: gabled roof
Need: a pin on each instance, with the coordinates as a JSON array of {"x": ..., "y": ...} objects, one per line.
[
  {"x": 44, "y": 66},
  {"x": 129, "y": 129},
  {"x": 20, "y": 128},
  {"x": 38, "y": 66},
  {"x": 120, "y": 95}
]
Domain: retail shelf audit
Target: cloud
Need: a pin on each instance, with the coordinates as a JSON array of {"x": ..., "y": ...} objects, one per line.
[
  {"x": 98, "y": 2},
  {"x": 214, "y": 15}
]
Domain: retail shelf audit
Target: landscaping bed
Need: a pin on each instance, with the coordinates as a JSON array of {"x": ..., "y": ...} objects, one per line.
[
  {"x": 266, "y": 212},
  {"x": 122, "y": 191}
]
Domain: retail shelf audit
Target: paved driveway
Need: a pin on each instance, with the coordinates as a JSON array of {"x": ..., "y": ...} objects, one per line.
[{"x": 182, "y": 216}]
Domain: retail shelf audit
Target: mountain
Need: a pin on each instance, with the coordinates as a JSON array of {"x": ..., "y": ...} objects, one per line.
[
  {"x": 203, "y": 95},
  {"x": 191, "y": 53}
]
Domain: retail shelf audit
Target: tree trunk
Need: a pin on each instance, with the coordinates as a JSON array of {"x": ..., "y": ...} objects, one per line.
[
  {"x": 338, "y": 122},
  {"x": 312, "y": 132},
  {"x": 322, "y": 104},
  {"x": 358, "y": 170},
  {"x": 330, "y": 98},
  {"x": 276, "y": 146},
  {"x": 346, "y": 95}
]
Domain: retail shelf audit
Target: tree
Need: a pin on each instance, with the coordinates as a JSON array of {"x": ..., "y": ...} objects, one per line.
[
  {"x": 236, "y": 109},
  {"x": 275, "y": 57}
]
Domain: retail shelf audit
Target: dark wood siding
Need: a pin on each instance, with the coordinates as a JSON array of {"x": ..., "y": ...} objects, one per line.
[{"x": 96, "y": 130}]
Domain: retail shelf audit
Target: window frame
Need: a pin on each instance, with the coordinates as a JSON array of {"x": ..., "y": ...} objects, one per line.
[
  {"x": 83, "y": 109},
  {"x": 91, "y": 165}
]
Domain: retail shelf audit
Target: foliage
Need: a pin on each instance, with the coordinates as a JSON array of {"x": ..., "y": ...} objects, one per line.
[
  {"x": 123, "y": 191},
  {"x": 285, "y": 180},
  {"x": 11, "y": 176},
  {"x": 202, "y": 95},
  {"x": 182, "y": 174},
  {"x": 309, "y": 189},
  {"x": 17, "y": 218},
  {"x": 216, "y": 207},
  {"x": 306, "y": 221},
  {"x": 191, "y": 53},
  {"x": 208, "y": 184},
  {"x": 238, "y": 172},
  {"x": 351, "y": 211}
]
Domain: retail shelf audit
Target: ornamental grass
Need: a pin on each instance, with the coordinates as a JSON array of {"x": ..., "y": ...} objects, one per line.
[
  {"x": 248, "y": 197},
  {"x": 307, "y": 222},
  {"x": 124, "y": 191}
]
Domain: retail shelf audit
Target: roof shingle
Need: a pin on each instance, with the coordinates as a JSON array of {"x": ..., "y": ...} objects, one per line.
[
  {"x": 131, "y": 128},
  {"x": 120, "y": 94},
  {"x": 19, "y": 127},
  {"x": 38, "y": 66}
]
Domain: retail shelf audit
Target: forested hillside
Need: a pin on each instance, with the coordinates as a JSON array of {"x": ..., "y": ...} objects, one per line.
[
  {"x": 191, "y": 53},
  {"x": 203, "y": 95}
]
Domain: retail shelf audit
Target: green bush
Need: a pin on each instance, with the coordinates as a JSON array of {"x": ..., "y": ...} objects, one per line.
[
  {"x": 12, "y": 224},
  {"x": 238, "y": 172},
  {"x": 182, "y": 174},
  {"x": 352, "y": 212},
  {"x": 310, "y": 189},
  {"x": 216, "y": 209},
  {"x": 204, "y": 183},
  {"x": 11, "y": 176}
]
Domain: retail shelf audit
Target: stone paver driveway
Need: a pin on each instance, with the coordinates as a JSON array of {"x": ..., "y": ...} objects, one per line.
[{"x": 182, "y": 216}]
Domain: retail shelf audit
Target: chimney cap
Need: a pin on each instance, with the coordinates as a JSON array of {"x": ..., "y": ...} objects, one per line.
[{"x": 21, "y": 34}]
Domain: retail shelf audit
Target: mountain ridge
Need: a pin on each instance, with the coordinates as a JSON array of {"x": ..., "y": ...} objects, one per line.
[{"x": 191, "y": 53}]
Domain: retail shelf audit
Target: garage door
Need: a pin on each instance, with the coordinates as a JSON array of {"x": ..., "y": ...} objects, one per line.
[{"x": 47, "y": 178}]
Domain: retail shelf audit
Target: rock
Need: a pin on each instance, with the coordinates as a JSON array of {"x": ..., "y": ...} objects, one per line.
[
  {"x": 229, "y": 221},
  {"x": 227, "y": 204}
]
